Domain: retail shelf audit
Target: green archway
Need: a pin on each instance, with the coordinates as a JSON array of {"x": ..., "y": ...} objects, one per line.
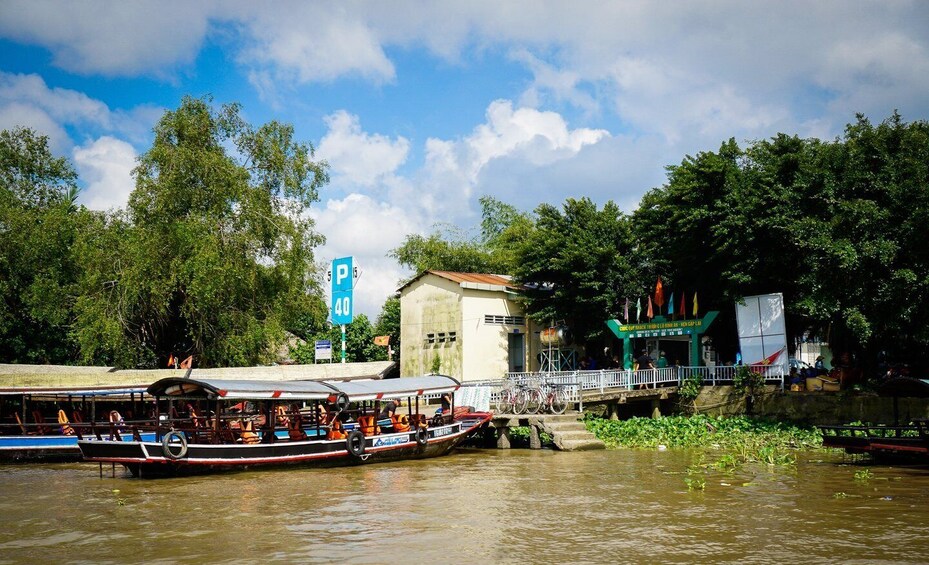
[{"x": 660, "y": 327}]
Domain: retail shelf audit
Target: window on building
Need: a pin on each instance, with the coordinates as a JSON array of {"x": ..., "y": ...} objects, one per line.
[{"x": 504, "y": 320}]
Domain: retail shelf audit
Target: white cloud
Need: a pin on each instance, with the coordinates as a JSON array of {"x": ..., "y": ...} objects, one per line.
[
  {"x": 27, "y": 101},
  {"x": 110, "y": 38},
  {"x": 105, "y": 165},
  {"x": 14, "y": 114},
  {"x": 361, "y": 158},
  {"x": 308, "y": 42}
]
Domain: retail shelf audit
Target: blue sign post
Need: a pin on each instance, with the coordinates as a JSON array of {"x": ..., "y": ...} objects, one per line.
[{"x": 342, "y": 276}]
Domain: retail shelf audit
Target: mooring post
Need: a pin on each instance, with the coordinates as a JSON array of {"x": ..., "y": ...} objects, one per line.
[
  {"x": 503, "y": 438},
  {"x": 535, "y": 441}
]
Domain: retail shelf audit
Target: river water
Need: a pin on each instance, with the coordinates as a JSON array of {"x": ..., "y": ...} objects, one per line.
[{"x": 490, "y": 506}]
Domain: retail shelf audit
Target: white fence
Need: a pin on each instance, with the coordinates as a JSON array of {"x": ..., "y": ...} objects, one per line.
[{"x": 575, "y": 383}]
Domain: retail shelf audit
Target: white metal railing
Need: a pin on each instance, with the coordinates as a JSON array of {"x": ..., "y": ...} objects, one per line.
[{"x": 576, "y": 383}]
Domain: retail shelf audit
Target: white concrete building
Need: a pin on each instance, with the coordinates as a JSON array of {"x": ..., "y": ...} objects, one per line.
[{"x": 468, "y": 324}]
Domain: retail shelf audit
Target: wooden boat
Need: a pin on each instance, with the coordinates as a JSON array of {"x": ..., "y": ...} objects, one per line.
[
  {"x": 43, "y": 424},
  {"x": 235, "y": 425},
  {"x": 881, "y": 442},
  {"x": 897, "y": 442}
]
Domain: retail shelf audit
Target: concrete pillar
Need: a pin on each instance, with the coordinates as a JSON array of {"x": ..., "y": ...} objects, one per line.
[
  {"x": 535, "y": 442},
  {"x": 613, "y": 410},
  {"x": 656, "y": 408},
  {"x": 503, "y": 438}
]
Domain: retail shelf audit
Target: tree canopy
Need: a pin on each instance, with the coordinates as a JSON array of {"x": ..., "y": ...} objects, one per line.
[{"x": 38, "y": 226}]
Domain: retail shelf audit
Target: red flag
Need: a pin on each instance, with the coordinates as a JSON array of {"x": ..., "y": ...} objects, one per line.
[
  {"x": 659, "y": 294},
  {"x": 649, "y": 313},
  {"x": 382, "y": 340},
  {"x": 187, "y": 363},
  {"x": 684, "y": 304},
  {"x": 171, "y": 361},
  {"x": 767, "y": 361}
]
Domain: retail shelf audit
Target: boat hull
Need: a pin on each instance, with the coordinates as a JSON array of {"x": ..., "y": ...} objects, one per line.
[
  {"x": 44, "y": 448},
  {"x": 149, "y": 459}
]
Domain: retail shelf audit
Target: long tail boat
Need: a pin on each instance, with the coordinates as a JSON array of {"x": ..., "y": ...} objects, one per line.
[
  {"x": 213, "y": 425},
  {"x": 44, "y": 424}
]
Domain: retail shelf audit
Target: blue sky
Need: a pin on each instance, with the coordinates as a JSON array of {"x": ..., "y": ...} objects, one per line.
[{"x": 421, "y": 108}]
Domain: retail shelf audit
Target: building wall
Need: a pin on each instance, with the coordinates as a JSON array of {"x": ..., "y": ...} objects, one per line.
[
  {"x": 430, "y": 306},
  {"x": 486, "y": 345},
  {"x": 478, "y": 350}
]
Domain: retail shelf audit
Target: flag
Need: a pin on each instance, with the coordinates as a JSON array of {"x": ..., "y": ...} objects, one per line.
[
  {"x": 382, "y": 340},
  {"x": 659, "y": 294},
  {"x": 767, "y": 361},
  {"x": 171, "y": 361},
  {"x": 671, "y": 305},
  {"x": 770, "y": 359},
  {"x": 695, "y": 304},
  {"x": 684, "y": 304},
  {"x": 626, "y": 311},
  {"x": 187, "y": 363},
  {"x": 638, "y": 309},
  {"x": 650, "y": 314}
]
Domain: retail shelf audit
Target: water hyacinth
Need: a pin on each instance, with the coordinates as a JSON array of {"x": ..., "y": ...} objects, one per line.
[{"x": 739, "y": 433}]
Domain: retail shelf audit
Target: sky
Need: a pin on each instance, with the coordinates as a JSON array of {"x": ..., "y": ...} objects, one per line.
[{"x": 421, "y": 108}]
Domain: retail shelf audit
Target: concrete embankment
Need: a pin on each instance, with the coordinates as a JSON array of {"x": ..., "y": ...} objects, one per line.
[{"x": 812, "y": 407}]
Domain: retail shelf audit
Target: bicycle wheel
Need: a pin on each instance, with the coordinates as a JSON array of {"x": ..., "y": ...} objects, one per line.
[
  {"x": 535, "y": 401},
  {"x": 520, "y": 401},
  {"x": 559, "y": 401},
  {"x": 505, "y": 402}
]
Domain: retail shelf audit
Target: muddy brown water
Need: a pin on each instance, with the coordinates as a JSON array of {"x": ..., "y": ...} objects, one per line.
[{"x": 476, "y": 506}]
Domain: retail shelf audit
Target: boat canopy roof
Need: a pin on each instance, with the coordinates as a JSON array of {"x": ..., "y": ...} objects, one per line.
[
  {"x": 302, "y": 390},
  {"x": 56, "y": 393},
  {"x": 241, "y": 389},
  {"x": 397, "y": 388}
]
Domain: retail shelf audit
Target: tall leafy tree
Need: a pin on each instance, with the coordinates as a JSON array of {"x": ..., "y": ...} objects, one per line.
[
  {"x": 578, "y": 264},
  {"x": 38, "y": 226},
  {"x": 214, "y": 256},
  {"x": 450, "y": 249}
]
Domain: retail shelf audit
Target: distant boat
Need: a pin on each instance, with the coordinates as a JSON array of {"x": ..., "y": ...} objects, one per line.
[
  {"x": 242, "y": 424},
  {"x": 44, "y": 424},
  {"x": 890, "y": 443}
]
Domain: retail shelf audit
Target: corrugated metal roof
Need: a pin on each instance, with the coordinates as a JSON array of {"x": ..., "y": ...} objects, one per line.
[
  {"x": 480, "y": 278},
  {"x": 468, "y": 278}
]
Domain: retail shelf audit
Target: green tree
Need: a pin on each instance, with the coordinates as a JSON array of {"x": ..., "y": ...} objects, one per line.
[
  {"x": 578, "y": 264},
  {"x": 503, "y": 228},
  {"x": 868, "y": 268},
  {"x": 38, "y": 226},
  {"x": 214, "y": 256},
  {"x": 388, "y": 323}
]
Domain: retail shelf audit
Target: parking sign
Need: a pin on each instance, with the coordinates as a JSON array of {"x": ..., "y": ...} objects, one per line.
[{"x": 342, "y": 276}]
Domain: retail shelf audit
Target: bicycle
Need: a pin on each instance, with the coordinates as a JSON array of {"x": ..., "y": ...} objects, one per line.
[
  {"x": 513, "y": 399},
  {"x": 554, "y": 398}
]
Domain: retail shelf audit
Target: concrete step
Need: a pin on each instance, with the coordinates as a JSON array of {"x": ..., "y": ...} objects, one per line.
[
  {"x": 573, "y": 435},
  {"x": 565, "y": 426},
  {"x": 579, "y": 444}
]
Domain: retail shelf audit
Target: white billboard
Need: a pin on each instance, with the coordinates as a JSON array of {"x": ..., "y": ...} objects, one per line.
[{"x": 762, "y": 331}]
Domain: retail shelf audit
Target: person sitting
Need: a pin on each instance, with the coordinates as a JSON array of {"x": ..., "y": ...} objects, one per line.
[
  {"x": 446, "y": 402},
  {"x": 390, "y": 408},
  {"x": 820, "y": 366}
]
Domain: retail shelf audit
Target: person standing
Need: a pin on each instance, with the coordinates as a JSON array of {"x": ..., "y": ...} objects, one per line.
[{"x": 662, "y": 362}]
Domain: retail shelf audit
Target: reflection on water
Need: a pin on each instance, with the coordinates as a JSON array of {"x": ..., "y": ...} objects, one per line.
[{"x": 494, "y": 506}]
